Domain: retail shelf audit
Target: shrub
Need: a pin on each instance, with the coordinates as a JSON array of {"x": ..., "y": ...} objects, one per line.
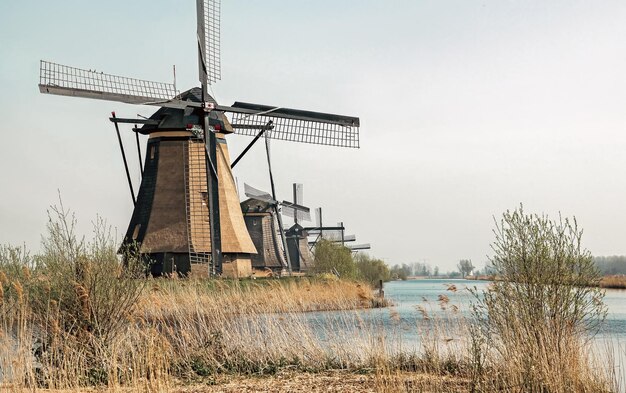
[
  {"x": 86, "y": 281},
  {"x": 400, "y": 272},
  {"x": 372, "y": 270},
  {"x": 537, "y": 315},
  {"x": 334, "y": 258},
  {"x": 71, "y": 302}
]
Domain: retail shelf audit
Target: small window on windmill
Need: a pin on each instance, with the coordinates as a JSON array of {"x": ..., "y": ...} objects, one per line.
[
  {"x": 152, "y": 152},
  {"x": 136, "y": 231},
  {"x": 255, "y": 222}
]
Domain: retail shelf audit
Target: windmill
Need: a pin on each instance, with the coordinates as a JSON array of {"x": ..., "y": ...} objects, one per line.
[
  {"x": 297, "y": 243},
  {"x": 262, "y": 213},
  {"x": 187, "y": 209},
  {"x": 262, "y": 224},
  {"x": 262, "y": 228},
  {"x": 334, "y": 234}
]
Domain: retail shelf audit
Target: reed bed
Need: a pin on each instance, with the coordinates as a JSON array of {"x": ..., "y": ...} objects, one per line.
[
  {"x": 613, "y": 282},
  {"x": 71, "y": 319},
  {"x": 183, "y": 335}
]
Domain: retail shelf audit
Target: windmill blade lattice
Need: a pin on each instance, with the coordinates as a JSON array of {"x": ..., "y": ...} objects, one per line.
[
  {"x": 329, "y": 234},
  {"x": 296, "y": 125},
  {"x": 335, "y": 236},
  {"x": 209, "y": 39},
  {"x": 298, "y": 194},
  {"x": 318, "y": 217},
  {"x": 76, "y": 82}
]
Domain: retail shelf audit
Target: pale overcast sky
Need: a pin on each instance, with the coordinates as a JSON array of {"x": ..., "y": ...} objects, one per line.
[{"x": 467, "y": 109}]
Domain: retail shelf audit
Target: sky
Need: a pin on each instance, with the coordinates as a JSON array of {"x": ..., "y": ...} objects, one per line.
[{"x": 468, "y": 108}]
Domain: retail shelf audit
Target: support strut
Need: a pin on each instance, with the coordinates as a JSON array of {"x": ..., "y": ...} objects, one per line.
[
  {"x": 119, "y": 139},
  {"x": 268, "y": 126},
  {"x": 138, "y": 150}
]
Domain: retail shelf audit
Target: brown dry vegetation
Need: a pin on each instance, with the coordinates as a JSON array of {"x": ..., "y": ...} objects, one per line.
[
  {"x": 617, "y": 281},
  {"x": 72, "y": 320},
  {"x": 614, "y": 282}
]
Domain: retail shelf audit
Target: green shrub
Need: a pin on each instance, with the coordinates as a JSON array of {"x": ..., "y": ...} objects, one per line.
[
  {"x": 332, "y": 257},
  {"x": 372, "y": 270},
  {"x": 400, "y": 272}
]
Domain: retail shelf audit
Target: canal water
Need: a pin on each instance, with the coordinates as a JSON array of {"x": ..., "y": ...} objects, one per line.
[
  {"x": 408, "y": 296},
  {"x": 421, "y": 307}
]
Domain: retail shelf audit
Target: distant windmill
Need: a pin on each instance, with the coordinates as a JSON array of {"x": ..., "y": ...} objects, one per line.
[
  {"x": 297, "y": 243},
  {"x": 262, "y": 224},
  {"x": 334, "y": 234},
  {"x": 265, "y": 229},
  {"x": 359, "y": 247},
  {"x": 187, "y": 208}
]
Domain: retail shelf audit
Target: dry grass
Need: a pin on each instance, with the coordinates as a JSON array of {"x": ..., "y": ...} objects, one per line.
[
  {"x": 72, "y": 320},
  {"x": 615, "y": 282},
  {"x": 259, "y": 296},
  {"x": 184, "y": 330},
  {"x": 251, "y": 336}
]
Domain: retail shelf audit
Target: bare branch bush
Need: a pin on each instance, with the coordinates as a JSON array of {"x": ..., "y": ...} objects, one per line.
[{"x": 538, "y": 316}]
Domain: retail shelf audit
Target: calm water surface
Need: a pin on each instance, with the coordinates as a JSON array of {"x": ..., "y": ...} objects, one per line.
[
  {"x": 413, "y": 299},
  {"x": 403, "y": 322},
  {"x": 407, "y": 295}
]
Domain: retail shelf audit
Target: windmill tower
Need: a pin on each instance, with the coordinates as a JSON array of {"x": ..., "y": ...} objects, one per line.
[
  {"x": 297, "y": 243},
  {"x": 187, "y": 208},
  {"x": 260, "y": 218}
]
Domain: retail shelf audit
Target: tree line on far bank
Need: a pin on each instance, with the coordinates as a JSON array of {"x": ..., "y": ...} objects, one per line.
[
  {"x": 611, "y": 265},
  {"x": 333, "y": 258}
]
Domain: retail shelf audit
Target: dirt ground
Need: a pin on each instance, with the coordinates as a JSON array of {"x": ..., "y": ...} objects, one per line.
[
  {"x": 288, "y": 381},
  {"x": 337, "y": 381}
]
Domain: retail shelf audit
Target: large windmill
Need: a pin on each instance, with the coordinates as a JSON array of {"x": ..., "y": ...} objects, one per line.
[{"x": 187, "y": 208}]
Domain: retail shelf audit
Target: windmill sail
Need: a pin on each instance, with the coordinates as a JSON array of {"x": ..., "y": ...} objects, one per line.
[
  {"x": 294, "y": 210},
  {"x": 295, "y": 125},
  {"x": 76, "y": 82},
  {"x": 259, "y": 195},
  {"x": 338, "y": 238},
  {"x": 329, "y": 233},
  {"x": 357, "y": 247},
  {"x": 209, "y": 40}
]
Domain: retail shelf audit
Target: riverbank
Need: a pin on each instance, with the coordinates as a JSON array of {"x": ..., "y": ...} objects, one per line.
[
  {"x": 287, "y": 294},
  {"x": 335, "y": 381}
]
